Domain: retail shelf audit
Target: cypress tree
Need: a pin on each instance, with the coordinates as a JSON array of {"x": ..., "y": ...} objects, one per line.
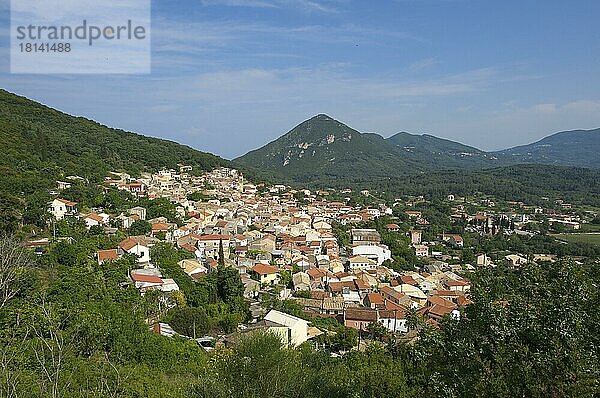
[{"x": 221, "y": 254}]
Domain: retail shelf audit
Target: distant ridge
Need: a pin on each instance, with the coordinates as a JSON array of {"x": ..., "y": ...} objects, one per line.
[
  {"x": 579, "y": 148},
  {"x": 322, "y": 147}
]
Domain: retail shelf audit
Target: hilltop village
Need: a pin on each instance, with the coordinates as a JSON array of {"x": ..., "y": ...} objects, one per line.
[{"x": 309, "y": 259}]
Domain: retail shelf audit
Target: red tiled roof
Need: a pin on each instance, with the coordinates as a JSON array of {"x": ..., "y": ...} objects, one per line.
[
  {"x": 159, "y": 226},
  {"x": 375, "y": 298},
  {"x": 263, "y": 269},
  {"x": 95, "y": 217},
  {"x": 188, "y": 248},
  {"x": 361, "y": 285},
  {"x": 440, "y": 301},
  {"x": 460, "y": 282},
  {"x": 439, "y": 310},
  {"x": 388, "y": 291},
  {"x": 391, "y": 306},
  {"x": 130, "y": 242},
  {"x": 146, "y": 278},
  {"x": 393, "y": 314},
  {"x": 107, "y": 255},
  {"x": 409, "y": 280},
  {"x": 361, "y": 314},
  {"x": 66, "y": 202},
  {"x": 316, "y": 273}
]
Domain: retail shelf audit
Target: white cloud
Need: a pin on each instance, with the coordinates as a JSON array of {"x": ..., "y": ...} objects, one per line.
[
  {"x": 308, "y": 6},
  {"x": 265, "y": 102},
  {"x": 422, "y": 65},
  {"x": 218, "y": 43}
]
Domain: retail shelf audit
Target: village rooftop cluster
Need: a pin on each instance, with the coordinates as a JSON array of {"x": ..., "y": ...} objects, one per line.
[{"x": 284, "y": 244}]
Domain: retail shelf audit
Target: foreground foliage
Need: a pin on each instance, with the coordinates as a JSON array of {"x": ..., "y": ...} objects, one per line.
[{"x": 75, "y": 329}]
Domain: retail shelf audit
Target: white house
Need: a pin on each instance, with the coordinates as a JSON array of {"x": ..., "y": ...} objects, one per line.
[
  {"x": 94, "y": 219},
  {"x": 360, "y": 262},
  {"x": 126, "y": 221},
  {"x": 267, "y": 274},
  {"x": 62, "y": 207},
  {"x": 140, "y": 211},
  {"x": 515, "y": 260},
  {"x": 192, "y": 267},
  {"x": 292, "y": 330},
  {"x": 136, "y": 246},
  {"x": 209, "y": 245},
  {"x": 421, "y": 250},
  {"x": 483, "y": 260},
  {"x": 169, "y": 285},
  {"x": 394, "y": 321},
  {"x": 379, "y": 253},
  {"x": 146, "y": 279}
]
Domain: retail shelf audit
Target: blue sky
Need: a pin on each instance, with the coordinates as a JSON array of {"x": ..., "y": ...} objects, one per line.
[{"x": 230, "y": 75}]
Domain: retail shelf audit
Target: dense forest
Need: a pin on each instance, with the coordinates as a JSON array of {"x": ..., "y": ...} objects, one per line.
[
  {"x": 71, "y": 328},
  {"x": 528, "y": 183}
]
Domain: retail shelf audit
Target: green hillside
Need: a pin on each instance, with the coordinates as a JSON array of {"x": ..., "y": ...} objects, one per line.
[
  {"x": 41, "y": 145},
  {"x": 36, "y": 137}
]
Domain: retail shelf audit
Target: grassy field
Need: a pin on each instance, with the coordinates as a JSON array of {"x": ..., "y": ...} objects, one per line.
[
  {"x": 582, "y": 238},
  {"x": 590, "y": 228}
]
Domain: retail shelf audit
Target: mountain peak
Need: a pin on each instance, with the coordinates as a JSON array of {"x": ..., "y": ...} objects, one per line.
[
  {"x": 321, "y": 119},
  {"x": 316, "y": 128},
  {"x": 322, "y": 116}
]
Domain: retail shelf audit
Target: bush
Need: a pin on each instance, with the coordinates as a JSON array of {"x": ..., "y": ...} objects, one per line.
[{"x": 188, "y": 321}]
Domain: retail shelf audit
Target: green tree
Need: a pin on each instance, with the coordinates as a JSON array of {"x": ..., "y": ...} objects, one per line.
[
  {"x": 221, "y": 261},
  {"x": 140, "y": 227},
  {"x": 96, "y": 230},
  {"x": 188, "y": 321},
  {"x": 377, "y": 331}
]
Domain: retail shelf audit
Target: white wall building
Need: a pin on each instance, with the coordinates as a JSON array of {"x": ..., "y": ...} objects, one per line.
[
  {"x": 293, "y": 330},
  {"x": 379, "y": 253},
  {"x": 62, "y": 207}
]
